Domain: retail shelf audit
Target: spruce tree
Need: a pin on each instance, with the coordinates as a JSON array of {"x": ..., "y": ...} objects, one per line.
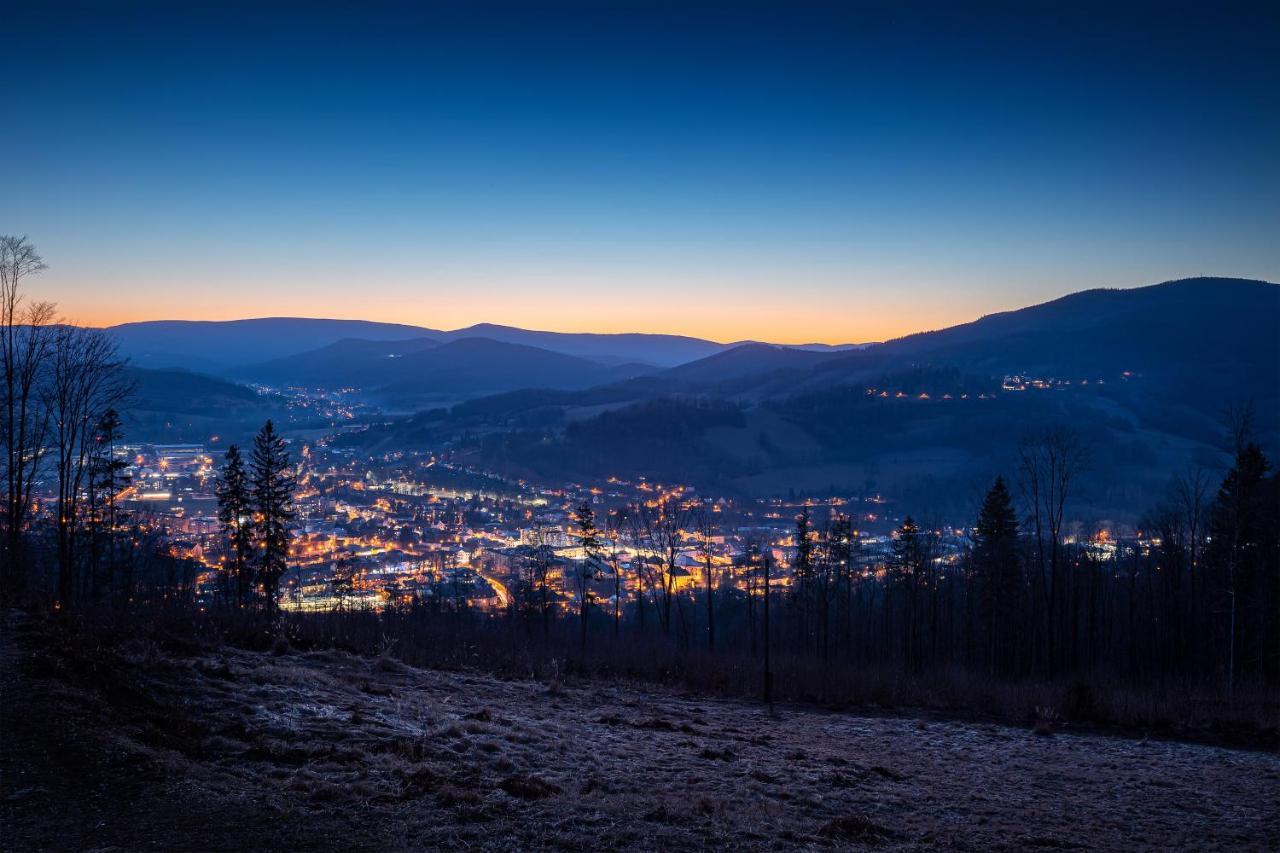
[
  {"x": 997, "y": 573},
  {"x": 840, "y": 548},
  {"x": 106, "y": 479},
  {"x": 906, "y": 557},
  {"x": 272, "y": 496},
  {"x": 235, "y": 511},
  {"x": 802, "y": 573}
]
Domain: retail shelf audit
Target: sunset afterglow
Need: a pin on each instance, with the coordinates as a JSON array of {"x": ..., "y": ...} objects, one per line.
[{"x": 870, "y": 175}]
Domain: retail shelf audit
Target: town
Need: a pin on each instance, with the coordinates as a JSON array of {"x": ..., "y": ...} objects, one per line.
[
  {"x": 369, "y": 532},
  {"x": 407, "y": 528}
]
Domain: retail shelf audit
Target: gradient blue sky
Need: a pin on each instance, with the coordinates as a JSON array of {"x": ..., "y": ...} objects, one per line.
[{"x": 784, "y": 171}]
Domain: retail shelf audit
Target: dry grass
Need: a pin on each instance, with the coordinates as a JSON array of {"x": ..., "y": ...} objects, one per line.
[
  {"x": 1190, "y": 710},
  {"x": 393, "y": 757}
]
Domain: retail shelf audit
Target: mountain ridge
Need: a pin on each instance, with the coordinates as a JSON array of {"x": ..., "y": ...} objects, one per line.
[
  {"x": 229, "y": 346},
  {"x": 936, "y": 411}
]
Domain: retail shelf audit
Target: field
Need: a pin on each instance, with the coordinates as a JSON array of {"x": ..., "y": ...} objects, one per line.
[{"x": 182, "y": 748}]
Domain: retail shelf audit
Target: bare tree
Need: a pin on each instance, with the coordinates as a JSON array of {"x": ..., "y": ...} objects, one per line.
[
  {"x": 751, "y": 562},
  {"x": 589, "y": 568},
  {"x": 635, "y": 518},
  {"x": 767, "y": 564},
  {"x": 539, "y": 563},
  {"x": 83, "y": 381},
  {"x": 25, "y": 341},
  {"x": 706, "y": 538},
  {"x": 657, "y": 529},
  {"x": 1050, "y": 461},
  {"x": 344, "y": 580},
  {"x": 613, "y": 556},
  {"x": 1191, "y": 491}
]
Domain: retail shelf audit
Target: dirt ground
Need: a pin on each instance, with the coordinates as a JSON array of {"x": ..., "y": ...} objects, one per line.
[{"x": 235, "y": 750}]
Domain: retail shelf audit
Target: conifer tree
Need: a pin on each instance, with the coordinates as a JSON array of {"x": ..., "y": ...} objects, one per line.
[
  {"x": 906, "y": 558},
  {"x": 106, "y": 478},
  {"x": 802, "y": 573},
  {"x": 235, "y": 511},
  {"x": 997, "y": 572},
  {"x": 272, "y": 496},
  {"x": 839, "y": 547}
]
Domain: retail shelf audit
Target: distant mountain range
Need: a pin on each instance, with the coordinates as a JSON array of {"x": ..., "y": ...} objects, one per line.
[
  {"x": 234, "y": 345},
  {"x": 1146, "y": 374}
]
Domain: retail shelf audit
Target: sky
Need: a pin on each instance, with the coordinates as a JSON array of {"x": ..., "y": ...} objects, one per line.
[{"x": 788, "y": 172}]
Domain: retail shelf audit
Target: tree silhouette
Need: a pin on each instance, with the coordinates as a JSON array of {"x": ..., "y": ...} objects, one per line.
[
  {"x": 588, "y": 569},
  {"x": 272, "y": 496},
  {"x": 235, "y": 512},
  {"x": 997, "y": 574}
]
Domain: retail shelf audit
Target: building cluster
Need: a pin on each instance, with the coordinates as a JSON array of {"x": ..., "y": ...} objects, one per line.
[{"x": 1027, "y": 382}]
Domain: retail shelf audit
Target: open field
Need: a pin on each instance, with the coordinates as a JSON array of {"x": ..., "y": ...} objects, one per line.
[{"x": 179, "y": 748}]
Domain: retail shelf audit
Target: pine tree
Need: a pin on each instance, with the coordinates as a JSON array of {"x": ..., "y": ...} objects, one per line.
[
  {"x": 235, "y": 511},
  {"x": 106, "y": 478},
  {"x": 802, "y": 573},
  {"x": 997, "y": 573},
  {"x": 906, "y": 558},
  {"x": 839, "y": 550},
  {"x": 272, "y": 495}
]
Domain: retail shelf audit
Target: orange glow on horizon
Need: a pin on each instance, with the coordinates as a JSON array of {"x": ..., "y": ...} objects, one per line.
[
  {"x": 775, "y": 303},
  {"x": 776, "y": 333},
  {"x": 773, "y": 323}
]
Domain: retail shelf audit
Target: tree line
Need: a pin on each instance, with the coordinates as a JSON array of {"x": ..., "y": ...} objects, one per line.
[{"x": 1197, "y": 595}]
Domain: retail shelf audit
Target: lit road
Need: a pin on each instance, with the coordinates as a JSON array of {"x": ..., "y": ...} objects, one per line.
[{"x": 504, "y": 597}]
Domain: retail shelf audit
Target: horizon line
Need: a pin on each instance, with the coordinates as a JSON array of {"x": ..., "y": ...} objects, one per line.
[
  {"x": 726, "y": 343},
  {"x": 428, "y": 329}
]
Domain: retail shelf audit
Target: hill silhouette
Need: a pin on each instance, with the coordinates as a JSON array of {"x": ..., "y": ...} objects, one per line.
[{"x": 1146, "y": 375}]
